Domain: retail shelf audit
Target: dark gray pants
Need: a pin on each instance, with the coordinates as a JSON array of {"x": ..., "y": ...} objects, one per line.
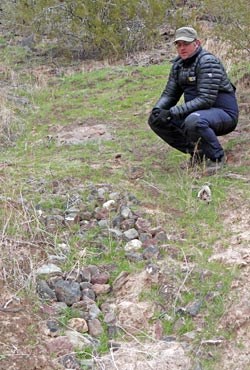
[{"x": 202, "y": 126}]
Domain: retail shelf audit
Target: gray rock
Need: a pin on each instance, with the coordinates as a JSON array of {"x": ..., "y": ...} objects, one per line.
[
  {"x": 94, "y": 312},
  {"x": 44, "y": 291},
  {"x": 131, "y": 234},
  {"x": 78, "y": 340},
  {"x": 85, "y": 285},
  {"x": 116, "y": 221},
  {"x": 134, "y": 257},
  {"x": 53, "y": 327},
  {"x": 67, "y": 291},
  {"x": 59, "y": 307},
  {"x": 115, "y": 233},
  {"x": 150, "y": 252},
  {"x": 125, "y": 212},
  {"x": 88, "y": 292},
  {"x": 194, "y": 308},
  {"x": 103, "y": 224},
  {"x": 101, "y": 192},
  {"x": 132, "y": 199},
  {"x": 145, "y": 237}
]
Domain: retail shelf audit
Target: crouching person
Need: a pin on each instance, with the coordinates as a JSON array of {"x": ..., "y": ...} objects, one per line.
[{"x": 209, "y": 109}]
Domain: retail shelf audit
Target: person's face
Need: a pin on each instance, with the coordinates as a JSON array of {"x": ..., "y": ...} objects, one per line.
[{"x": 186, "y": 49}]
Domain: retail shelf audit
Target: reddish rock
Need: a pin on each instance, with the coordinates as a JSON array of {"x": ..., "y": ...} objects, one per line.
[
  {"x": 95, "y": 328},
  {"x": 59, "y": 346},
  {"x": 101, "y": 278},
  {"x": 101, "y": 288}
]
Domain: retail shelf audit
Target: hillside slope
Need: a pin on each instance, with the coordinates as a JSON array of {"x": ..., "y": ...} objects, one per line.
[{"x": 83, "y": 181}]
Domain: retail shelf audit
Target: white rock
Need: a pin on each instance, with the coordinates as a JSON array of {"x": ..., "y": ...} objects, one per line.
[
  {"x": 133, "y": 245},
  {"x": 109, "y": 204},
  {"x": 48, "y": 269}
]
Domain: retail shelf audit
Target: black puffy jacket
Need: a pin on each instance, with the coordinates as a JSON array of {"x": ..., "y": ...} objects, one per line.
[{"x": 201, "y": 78}]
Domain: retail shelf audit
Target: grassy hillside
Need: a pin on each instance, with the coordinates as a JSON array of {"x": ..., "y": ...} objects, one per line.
[{"x": 39, "y": 174}]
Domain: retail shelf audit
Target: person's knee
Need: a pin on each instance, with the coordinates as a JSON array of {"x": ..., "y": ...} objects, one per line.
[{"x": 192, "y": 125}]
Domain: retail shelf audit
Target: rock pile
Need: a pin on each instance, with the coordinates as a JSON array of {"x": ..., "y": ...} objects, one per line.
[{"x": 83, "y": 288}]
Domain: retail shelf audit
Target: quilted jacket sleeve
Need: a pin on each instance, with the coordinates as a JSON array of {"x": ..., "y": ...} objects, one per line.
[
  {"x": 171, "y": 93},
  {"x": 209, "y": 76}
]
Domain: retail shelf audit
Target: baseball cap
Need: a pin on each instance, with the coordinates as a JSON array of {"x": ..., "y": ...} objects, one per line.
[{"x": 185, "y": 34}]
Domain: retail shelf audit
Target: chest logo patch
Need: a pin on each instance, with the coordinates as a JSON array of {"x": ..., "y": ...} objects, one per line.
[{"x": 192, "y": 79}]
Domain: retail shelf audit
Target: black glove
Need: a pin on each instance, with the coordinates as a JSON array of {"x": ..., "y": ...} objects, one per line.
[
  {"x": 159, "y": 116},
  {"x": 164, "y": 116},
  {"x": 156, "y": 112},
  {"x": 153, "y": 116}
]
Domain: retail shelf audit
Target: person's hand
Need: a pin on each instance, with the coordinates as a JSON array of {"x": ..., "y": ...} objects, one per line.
[
  {"x": 155, "y": 112},
  {"x": 159, "y": 116},
  {"x": 164, "y": 115},
  {"x": 153, "y": 115}
]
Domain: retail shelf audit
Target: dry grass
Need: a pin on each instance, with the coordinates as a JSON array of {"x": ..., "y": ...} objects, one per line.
[
  {"x": 10, "y": 124},
  {"x": 41, "y": 76},
  {"x": 23, "y": 245},
  {"x": 220, "y": 48},
  {"x": 6, "y": 119}
]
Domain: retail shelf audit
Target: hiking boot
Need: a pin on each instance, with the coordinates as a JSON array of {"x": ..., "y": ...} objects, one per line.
[{"x": 212, "y": 167}]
